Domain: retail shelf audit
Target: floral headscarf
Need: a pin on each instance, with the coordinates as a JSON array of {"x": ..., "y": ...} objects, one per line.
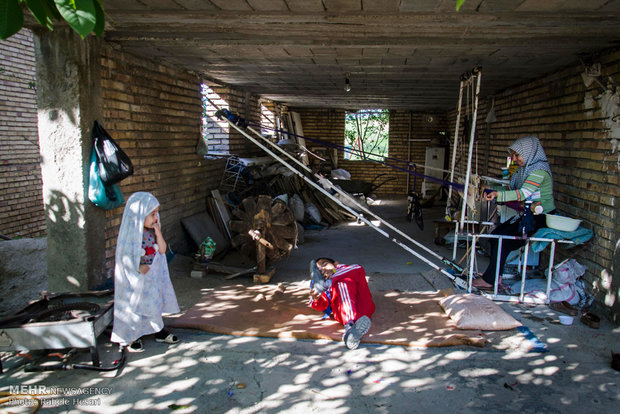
[{"x": 534, "y": 158}]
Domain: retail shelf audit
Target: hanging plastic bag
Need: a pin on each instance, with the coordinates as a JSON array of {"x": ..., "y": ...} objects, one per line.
[
  {"x": 114, "y": 165},
  {"x": 106, "y": 197}
]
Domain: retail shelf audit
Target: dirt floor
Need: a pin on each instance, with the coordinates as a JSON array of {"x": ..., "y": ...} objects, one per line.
[{"x": 233, "y": 374}]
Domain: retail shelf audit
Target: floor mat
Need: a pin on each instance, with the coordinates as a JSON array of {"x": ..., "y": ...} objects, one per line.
[{"x": 401, "y": 318}]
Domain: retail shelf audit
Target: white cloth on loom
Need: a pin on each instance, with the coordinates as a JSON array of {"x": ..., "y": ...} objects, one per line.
[{"x": 139, "y": 299}]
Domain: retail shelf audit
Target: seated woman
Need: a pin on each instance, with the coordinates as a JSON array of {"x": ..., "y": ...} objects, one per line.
[{"x": 531, "y": 181}]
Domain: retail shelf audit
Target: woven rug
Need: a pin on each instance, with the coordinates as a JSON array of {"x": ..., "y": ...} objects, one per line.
[{"x": 401, "y": 318}]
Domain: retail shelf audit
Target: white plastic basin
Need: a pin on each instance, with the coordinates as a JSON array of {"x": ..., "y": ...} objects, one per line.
[{"x": 562, "y": 223}]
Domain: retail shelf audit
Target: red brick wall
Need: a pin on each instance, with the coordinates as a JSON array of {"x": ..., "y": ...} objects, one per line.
[
  {"x": 154, "y": 113},
  {"x": 21, "y": 199},
  {"x": 328, "y": 125}
]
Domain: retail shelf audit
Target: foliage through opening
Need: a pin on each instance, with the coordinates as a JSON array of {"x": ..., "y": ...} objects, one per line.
[{"x": 366, "y": 134}]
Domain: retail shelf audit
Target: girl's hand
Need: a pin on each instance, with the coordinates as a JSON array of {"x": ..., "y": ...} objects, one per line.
[
  {"x": 157, "y": 228},
  {"x": 144, "y": 269},
  {"x": 159, "y": 237},
  {"x": 490, "y": 196}
]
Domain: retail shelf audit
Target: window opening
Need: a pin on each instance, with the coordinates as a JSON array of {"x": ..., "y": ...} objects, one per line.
[
  {"x": 214, "y": 131},
  {"x": 366, "y": 134}
]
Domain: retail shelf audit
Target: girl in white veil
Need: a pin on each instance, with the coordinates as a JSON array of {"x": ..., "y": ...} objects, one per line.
[{"x": 142, "y": 287}]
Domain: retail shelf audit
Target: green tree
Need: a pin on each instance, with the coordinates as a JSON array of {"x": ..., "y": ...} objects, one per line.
[
  {"x": 367, "y": 133},
  {"x": 83, "y": 16}
]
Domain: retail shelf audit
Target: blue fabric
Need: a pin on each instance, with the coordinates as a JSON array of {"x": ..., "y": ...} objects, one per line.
[
  {"x": 537, "y": 344},
  {"x": 581, "y": 235}
]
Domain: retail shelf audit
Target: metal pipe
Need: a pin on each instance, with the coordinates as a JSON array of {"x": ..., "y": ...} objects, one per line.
[
  {"x": 353, "y": 212},
  {"x": 455, "y": 137},
  {"x": 524, "y": 270},
  {"x": 498, "y": 258},
  {"x": 472, "y": 134},
  {"x": 550, "y": 270},
  {"x": 409, "y": 152},
  {"x": 471, "y": 266},
  {"x": 331, "y": 186}
]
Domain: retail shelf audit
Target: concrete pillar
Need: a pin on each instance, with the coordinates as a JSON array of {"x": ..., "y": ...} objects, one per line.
[
  {"x": 68, "y": 84},
  {"x": 613, "y": 296}
]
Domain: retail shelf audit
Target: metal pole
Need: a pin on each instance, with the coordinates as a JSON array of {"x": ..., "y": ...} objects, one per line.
[
  {"x": 550, "y": 272},
  {"x": 498, "y": 258},
  {"x": 524, "y": 270},
  {"x": 471, "y": 265},
  {"x": 409, "y": 153},
  {"x": 471, "y": 146},
  {"x": 350, "y": 210},
  {"x": 331, "y": 186},
  {"x": 454, "y": 146}
]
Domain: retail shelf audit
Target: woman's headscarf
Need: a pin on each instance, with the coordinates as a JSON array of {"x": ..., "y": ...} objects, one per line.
[{"x": 534, "y": 158}]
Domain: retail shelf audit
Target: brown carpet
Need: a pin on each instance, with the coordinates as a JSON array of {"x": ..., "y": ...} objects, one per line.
[{"x": 401, "y": 318}]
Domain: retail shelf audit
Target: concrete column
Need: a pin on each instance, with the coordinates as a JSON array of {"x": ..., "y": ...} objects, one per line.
[
  {"x": 68, "y": 84},
  {"x": 613, "y": 297}
]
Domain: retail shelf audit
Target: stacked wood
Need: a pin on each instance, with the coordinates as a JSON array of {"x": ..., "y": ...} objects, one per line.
[{"x": 330, "y": 211}]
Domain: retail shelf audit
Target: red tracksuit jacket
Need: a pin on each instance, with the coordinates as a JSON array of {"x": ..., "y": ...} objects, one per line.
[{"x": 350, "y": 295}]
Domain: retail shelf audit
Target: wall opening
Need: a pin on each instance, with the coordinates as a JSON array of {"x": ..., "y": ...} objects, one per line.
[
  {"x": 215, "y": 132},
  {"x": 366, "y": 134}
]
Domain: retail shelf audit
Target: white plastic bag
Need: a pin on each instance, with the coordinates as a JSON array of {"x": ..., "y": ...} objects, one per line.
[
  {"x": 313, "y": 213},
  {"x": 568, "y": 272},
  {"x": 340, "y": 174},
  {"x": 296, "y": 205},
  {"x": 563, "y": 284}
]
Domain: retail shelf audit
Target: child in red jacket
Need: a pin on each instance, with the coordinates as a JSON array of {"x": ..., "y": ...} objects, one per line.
[{"x": 343, "y": 289}]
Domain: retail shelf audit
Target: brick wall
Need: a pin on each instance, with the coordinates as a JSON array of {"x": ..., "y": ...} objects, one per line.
[
  {"x": 566, "y": 116},
  {"x": 154, "y": 113},
  {"x": 21, "y": 199},
  {"x": 328, "y": 125}
]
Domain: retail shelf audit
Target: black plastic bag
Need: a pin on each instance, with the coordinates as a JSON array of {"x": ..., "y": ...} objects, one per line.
[{"x": 114, "y": 164}]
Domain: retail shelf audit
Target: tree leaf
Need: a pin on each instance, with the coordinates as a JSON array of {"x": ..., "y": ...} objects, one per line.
[
  {"x": 40, "y": 10},
  {"x": 459, "y": 3},
  {"x": 80, "y": 14},
  {"x": 52, "y": 7},
  {"x": 11, "y": 18},
  {"x": 100, "y": 16}
]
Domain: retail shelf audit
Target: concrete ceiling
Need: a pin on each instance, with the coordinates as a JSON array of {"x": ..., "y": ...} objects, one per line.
[{"x": 401, "y": 54}]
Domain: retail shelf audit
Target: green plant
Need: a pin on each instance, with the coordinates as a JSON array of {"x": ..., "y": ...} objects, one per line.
[
  {"x": 83, "y": 16},
  {"x": 367, "y": 133}
]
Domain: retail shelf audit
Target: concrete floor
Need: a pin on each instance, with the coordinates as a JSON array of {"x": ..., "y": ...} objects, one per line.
[{"x": 208, "y": 373}]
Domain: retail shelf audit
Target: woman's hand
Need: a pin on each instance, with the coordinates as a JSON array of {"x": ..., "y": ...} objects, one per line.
[
  {"x": 490, "y": 195},
  {"x": 144, "y": 269}
]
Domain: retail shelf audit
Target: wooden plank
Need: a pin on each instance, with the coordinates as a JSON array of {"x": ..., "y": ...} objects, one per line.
[
  {"x": 218, "y": 267},
  {"x": 299, "y": 131},
  {"x": 222, "y": 210},
  {"x": 243, "y": 272}
]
